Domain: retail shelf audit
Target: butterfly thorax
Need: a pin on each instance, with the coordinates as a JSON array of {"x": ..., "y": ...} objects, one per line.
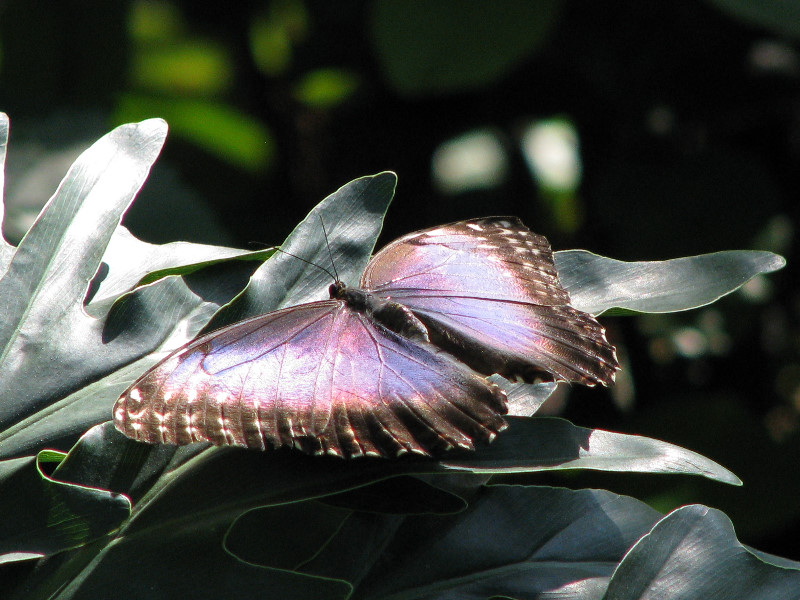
[{"x": 392, "y": 315}]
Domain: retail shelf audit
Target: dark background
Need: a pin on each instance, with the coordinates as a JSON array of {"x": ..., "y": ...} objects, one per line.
[{"x": 683, "y": 117}]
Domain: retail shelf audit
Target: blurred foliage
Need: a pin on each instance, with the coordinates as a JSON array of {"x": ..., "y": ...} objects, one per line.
[{"x": 685, "y": 117}]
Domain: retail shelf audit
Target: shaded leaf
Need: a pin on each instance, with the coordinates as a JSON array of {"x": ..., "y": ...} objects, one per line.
[
  {"x": 184, "y": 562},
  {"x": 540, "y": 539},
  {"x": 403, "y": 495},
  {"x": 440, "y": 47},
  {"x": 297, "y": 530},
  {"x": 43, "y": 515},
  {"x": 777, "y": 16}
]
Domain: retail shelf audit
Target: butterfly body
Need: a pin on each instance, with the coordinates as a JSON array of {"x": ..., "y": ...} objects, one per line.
[{"x": 397, "y": 365}]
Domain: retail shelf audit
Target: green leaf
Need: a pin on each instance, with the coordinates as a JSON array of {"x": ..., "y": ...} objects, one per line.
[
  {"x": 780, "y": 17},
  {"x": 524, "y": 399},
  {"x": 144, "y": 326},
  {"x": 43, "y": 515},
  {"x": 542, "y": 444},
  {"x": 63, "y": 363},
  {"x": 156, "y": 261},
  {"x": 693, "y": 554},
  {"x": 6, "y": 250},
  {"x": 512, "y": 541},
  {"x": 597, "y": 284},
  {"x": 48, "y": 345},
  {"x": 456, "y": 45},
  {"x": 340, "y": 232},
  {"x": 229, "y": 134}
]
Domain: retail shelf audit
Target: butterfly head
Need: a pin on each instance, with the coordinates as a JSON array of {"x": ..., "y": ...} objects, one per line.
[{"x": 337, "y": 289}]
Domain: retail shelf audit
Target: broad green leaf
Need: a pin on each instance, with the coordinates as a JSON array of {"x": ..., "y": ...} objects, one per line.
[
  {"x": 546, "y": 443},
  {"x": 693, "y": 554},
  {"x": 512, "y": 541},
  {"x": 147, "y": 323},
  {"x": 340, "y": 232},
  {"x": 597, "y": 284},
  {"x": 156, "y": 261},
  {"x": 49, "y": 346}
]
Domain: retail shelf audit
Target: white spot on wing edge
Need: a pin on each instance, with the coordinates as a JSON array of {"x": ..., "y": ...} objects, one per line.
[
  {"x": 437, "y": 231},
  {"x": 475, "y": 226}
]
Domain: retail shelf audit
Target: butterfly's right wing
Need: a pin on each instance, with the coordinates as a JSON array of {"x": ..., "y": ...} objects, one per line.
[
  {"x": 320, "y": 377},
  {"x": 488, "y": 292}
]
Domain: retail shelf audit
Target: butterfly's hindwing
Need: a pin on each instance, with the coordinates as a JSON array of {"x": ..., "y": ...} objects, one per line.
[{"x": 489, "y": 293}]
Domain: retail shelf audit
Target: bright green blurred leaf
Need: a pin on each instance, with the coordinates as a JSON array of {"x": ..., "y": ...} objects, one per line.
[
  {"x": 326, "y": 88},
  {"x": 192, "y": 67},
  {"x": 273, "y": 34},
  {"x": 224, "y": 132},
  {"x": 153, "y": 21}
]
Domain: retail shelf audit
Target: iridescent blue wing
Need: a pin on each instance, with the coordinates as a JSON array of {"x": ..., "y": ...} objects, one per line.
[
  {"x": 320, "y": 377},
  {"x": 488, "y": 292}
]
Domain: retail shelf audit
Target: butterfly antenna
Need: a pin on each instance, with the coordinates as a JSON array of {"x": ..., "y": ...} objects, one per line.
[
  {"x": 308, "y": 262},
  {"x": 325, "y": 233}
]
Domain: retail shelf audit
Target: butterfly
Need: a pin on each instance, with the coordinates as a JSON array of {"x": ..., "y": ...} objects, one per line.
[{"x": 399, "y": 365}]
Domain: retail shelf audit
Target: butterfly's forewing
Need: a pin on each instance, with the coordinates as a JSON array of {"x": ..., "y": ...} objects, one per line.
[
  {"x": 488, "y": 291},
  {"x": 321, "y": 377}
]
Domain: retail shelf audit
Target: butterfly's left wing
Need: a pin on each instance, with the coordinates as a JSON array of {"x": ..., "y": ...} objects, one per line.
[
  {"x": 321, "y": 377},
  {"x": 488, "y": 292}
]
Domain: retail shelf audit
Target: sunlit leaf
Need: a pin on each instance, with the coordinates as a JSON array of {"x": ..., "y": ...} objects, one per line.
[
  {"x": 534, "y": 444},
  {"x": 597, "y": 284},
  {"x": 693, "y": 554}
]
